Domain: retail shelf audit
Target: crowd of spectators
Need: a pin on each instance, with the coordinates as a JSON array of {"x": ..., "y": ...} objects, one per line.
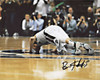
[{"x": 27, "y": 17}]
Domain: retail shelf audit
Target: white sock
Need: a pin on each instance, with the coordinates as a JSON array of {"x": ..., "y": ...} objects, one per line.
[{"x": 71, "y": 44}]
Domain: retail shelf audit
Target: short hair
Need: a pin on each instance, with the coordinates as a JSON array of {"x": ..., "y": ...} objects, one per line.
[
  {"x": 27, "y": 15},
  {"x": 39, "y": 13}
]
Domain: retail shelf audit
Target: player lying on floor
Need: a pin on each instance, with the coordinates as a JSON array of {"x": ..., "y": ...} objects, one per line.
[{"x": 57, "y": 36}]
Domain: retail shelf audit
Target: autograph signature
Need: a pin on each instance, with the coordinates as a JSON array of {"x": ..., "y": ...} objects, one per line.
[{"x": 79, "y": 63}]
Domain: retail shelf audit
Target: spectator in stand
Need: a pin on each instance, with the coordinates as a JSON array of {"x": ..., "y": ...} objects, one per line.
[
  {"x": 90, "y": 18},
  {"x": 82, "y": 27},
  {"x": 58, "y": 21},
  {"x": 24, "y": 7},
  {"x": 58, "y": 12},
  {"x": 50, "y": 20},
  {"x": 27, "y": 25},
  {"x": 70, "y": 11},
  {"x": 89, "y": 13},
  {"x": 51, "y": 8},
  {"x": 69, "y": 25},
  {"x": 38, "y": 23},
  {"x": 42, "y": 7},
  {"x": 96, "y": 26},
  {"x": 64, "y": 11},
  {"x": 2, "y": 21}
]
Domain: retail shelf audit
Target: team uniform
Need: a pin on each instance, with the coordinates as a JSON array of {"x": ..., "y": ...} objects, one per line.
[
  {"x": 52, "y": 34},
  {"x": 57, "y": 36}
]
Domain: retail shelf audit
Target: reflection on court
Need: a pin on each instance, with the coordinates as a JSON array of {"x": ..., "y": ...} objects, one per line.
[{"x": 45, "y": 66}]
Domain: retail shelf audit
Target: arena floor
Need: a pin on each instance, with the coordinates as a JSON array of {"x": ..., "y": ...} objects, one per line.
[{"x": 17, "y": 65}]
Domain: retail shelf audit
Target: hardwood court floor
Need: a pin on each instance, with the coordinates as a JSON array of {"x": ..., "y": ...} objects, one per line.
[{"x": 24, "y": 66}]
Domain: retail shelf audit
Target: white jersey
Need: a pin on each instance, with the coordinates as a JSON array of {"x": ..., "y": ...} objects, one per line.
[
  {"x": 57, "y": 32},
  {"x": 50, "y": 33},
  {"x": 41, "y": 37},
  {"x": 41, "y": 7}
]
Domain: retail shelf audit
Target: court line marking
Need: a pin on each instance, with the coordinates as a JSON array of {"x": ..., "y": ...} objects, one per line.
[
  {"x": 11, "y": 73},
  {"x": 59, "y": 57},
  {"x": 15, "y": 55},
  {"x": 42, "y": 57}
]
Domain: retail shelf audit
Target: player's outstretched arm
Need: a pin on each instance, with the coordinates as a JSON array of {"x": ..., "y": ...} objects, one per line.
[{"x": 32, "y": 40}]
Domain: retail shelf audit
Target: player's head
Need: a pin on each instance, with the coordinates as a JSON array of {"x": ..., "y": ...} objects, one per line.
[
  {"x": 69, "y": 16},
  {"x": 27, "y": 16},
  {"x": 70, "y": 10},
  {"x": 90, "y": 9},
  {"x": 39, "y": 15}
]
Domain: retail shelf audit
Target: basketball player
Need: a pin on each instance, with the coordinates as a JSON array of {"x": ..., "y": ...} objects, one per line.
[{"x": 55, "y": 35}]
